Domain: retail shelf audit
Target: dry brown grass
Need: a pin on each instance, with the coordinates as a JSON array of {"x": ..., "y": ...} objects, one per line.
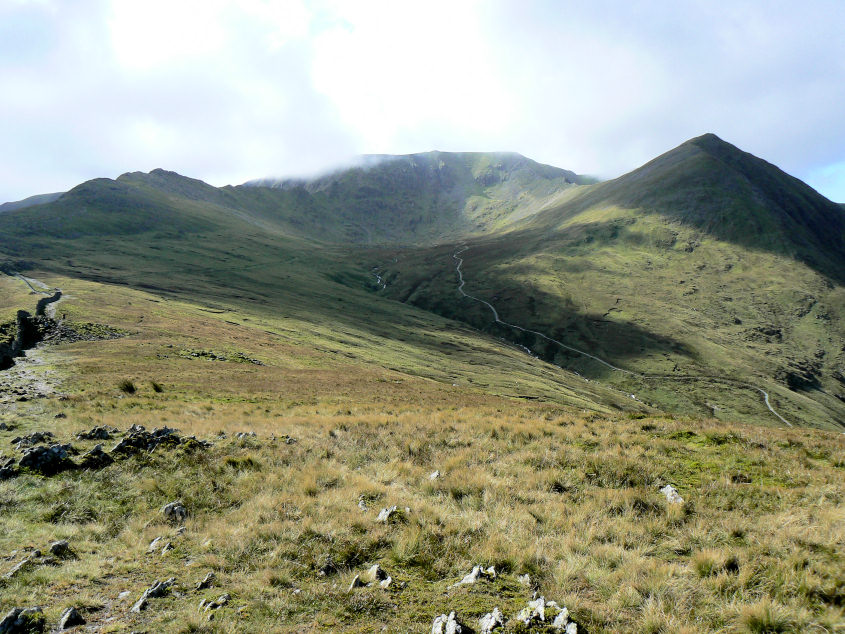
[{"x": 569, "y": 497}]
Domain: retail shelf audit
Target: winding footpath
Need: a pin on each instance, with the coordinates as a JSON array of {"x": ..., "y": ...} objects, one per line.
[{"x": 684, "y": 377}]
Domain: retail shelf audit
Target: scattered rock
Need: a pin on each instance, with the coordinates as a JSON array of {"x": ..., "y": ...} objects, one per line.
[
  {"x": 4, "y": 427},
  {"x": 95, "y": 459},
  {"x": 478, "y": 572},
  {"x": 32, "y": 439},
  {"x": 446, "y": 625},
  {"x": 434, "y": 475},
  {"x": 219, "y": 602},
  {"x": 243, "y": 435},
  {"x": 22, "y": 621},
  {"x": 61, "y": 549},
  {"x": 362, "y": 504},
  {"x": 491, "y": 621},
  {"x": 373, "y": 574},
  {"x": 175, "y": 512},
  {"x": 206, "y": 582},
  {"x": 536, "y": 611},
  {"x": 672, "y": 496},
  {"x": 24, "y": 564},
  {"x": 327, "y": 565},
  {"x": 138, "y": 439},
  {"x": 392, "y": 514},
  {"x": 47, "y": 460},
  {"x": 154, "y": 544},
  {"x": 158, "y": 589},
  {"x": 60, "y": 415},
  {"x": 356, "y": 583},
  {"x": 96, "y": 433},
  {"x": 524, "y": 579},
  {"x": 70, "y": 618},
  {"x": 123, "y": 595}
]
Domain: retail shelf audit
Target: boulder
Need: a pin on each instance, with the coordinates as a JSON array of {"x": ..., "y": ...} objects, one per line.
[
  {"x": 96, "y": 433},
  {"x": 47, "y": 460},
  {"x": 373, "y": 574},
  {"x": 446, "y": 625},
  {"x": 672, "y": 496},
  {"x": 478, "y": 572},
  {"x": 158, "y": 589},
  {"x": 219, "y": 602},
  {"x": 491, "y": 621},
  {"x": 24, "y": 564},
  {"x": 392, "y": 514},
  {"x": 22, "y": 621},
  {"x": 70, "y": 618},
  {"x": 206, "y": 582},
  {"x": 61, "y": 549},
  {"x": 30, "y": 440},
  {"x": 95, "y": 459},
  {"x": 175, "y": 512},
  {"x": 356, "y": 583}
]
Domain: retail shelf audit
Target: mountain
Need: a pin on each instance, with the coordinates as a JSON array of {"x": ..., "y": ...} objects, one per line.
[
  {"x": 308, "y": 380},
  {"x": 704, "y": 262},
  {"x": 729, "y": 194},
  {"x": 423, "y": 197},
  {"x": 31, "y": 201}
]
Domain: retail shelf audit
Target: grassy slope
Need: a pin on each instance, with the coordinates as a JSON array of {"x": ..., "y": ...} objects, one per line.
[
  {"x": 411, "y": 199},
  {"x": 568, "y": 497},
  {"x": 366, "y": 385},
  {"x": 650, "y": 288}
]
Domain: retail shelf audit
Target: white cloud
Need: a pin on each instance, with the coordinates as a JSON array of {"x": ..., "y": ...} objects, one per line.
[{"x": 227, "y": 91}]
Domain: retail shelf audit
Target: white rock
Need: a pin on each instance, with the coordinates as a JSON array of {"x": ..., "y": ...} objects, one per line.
[
  {"x": 477, "y": 573},
  {"x": 491, "y": 621},
  {"x": 534, "y": 611},
  {"x": 672, "y": 495},
  {"x": 384, "y": 584},
  {"x": 434, "y": 475},
  {"x": 524, "y": 579},
  {"x": 446, "y": 625},
  {"x": 356, "y": 583},
  {"x": 386, "y": 513},
  {"x": 561, "y": 620}
]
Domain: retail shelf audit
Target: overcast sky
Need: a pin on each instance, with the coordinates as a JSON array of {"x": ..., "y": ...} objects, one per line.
[{"x": 229, "y": 91}]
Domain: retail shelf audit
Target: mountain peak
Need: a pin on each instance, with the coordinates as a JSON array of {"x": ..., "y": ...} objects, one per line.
[{"x": 735, "y": 196}]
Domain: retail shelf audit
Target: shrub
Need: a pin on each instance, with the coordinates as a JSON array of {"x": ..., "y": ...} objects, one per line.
[{"x": 127, "y": 386}]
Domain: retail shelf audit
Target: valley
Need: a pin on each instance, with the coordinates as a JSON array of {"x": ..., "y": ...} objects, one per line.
[{"x": 517, "y": 358}]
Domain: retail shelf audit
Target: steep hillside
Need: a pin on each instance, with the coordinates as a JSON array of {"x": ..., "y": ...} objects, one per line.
[
  {"x": 31, "y": 201},
  {"x": 419, "y": 197},
  {"x": 712, "y": 186},
  {"x": 698, "y": 264}
]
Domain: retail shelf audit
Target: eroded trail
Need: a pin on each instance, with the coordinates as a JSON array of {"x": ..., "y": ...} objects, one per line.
[{"x": 649, "y": 377}]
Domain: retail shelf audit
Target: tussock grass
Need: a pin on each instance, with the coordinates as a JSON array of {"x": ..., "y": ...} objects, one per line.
[{"x": 566, "y": 495}]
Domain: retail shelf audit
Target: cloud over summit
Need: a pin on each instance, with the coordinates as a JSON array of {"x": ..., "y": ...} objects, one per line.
[{"x": 228, "y": 91}]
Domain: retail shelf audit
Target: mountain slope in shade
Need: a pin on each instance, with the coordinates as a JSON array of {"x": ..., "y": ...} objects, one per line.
[
  {"x": 731, "y": 195},
  {"x": 31, "y": 201},
  {"x": 705, "y": 261}
]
